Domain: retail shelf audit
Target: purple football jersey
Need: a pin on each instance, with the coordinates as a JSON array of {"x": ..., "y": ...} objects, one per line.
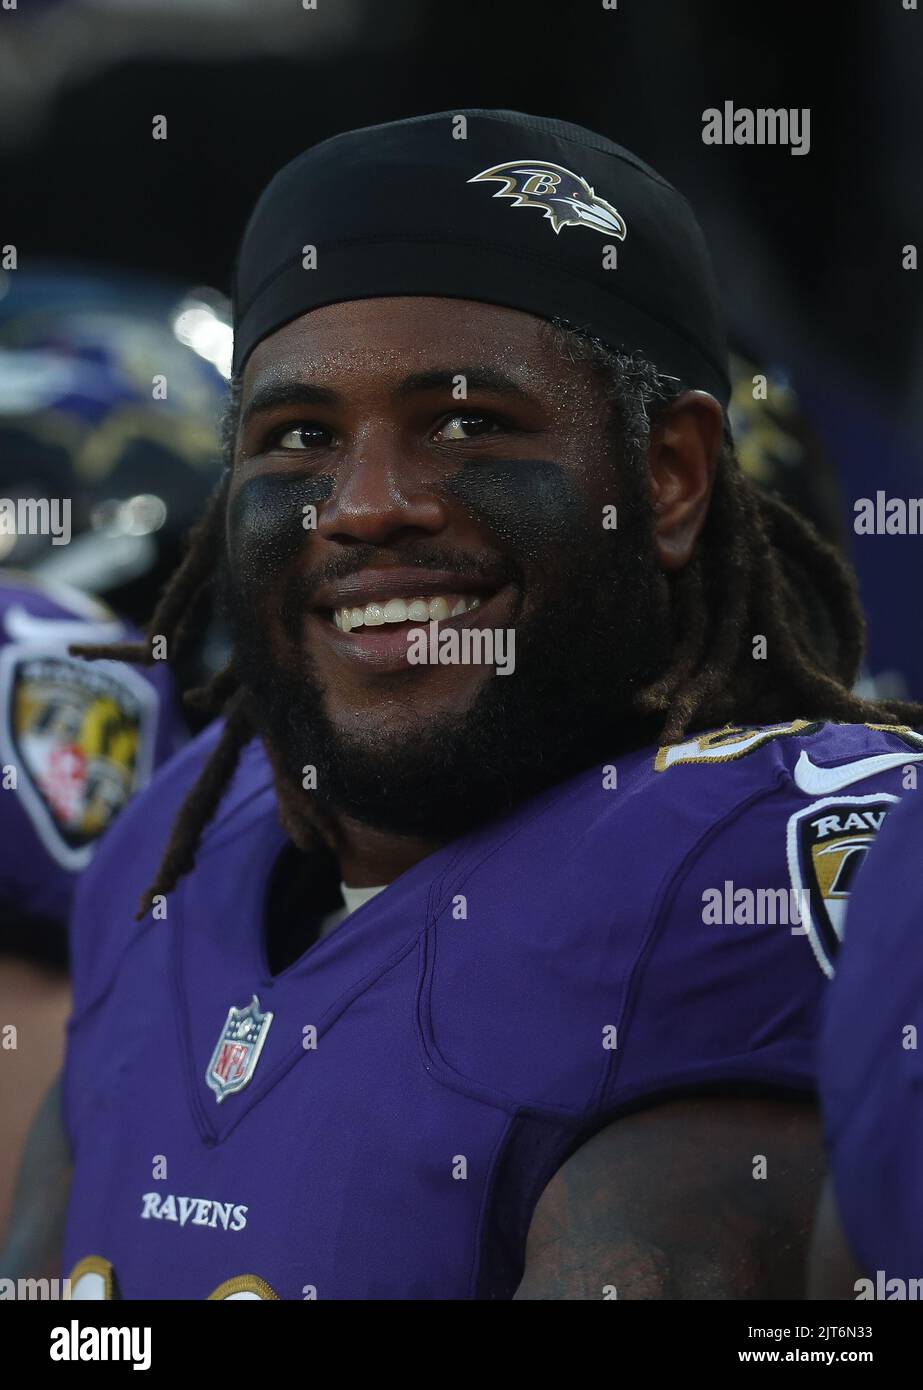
[
  {"x": 871, "y": 1073},
  {"x": 379, "y": 1119}
]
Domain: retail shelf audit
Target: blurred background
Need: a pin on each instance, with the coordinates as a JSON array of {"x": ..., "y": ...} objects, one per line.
[{"x": 124, "y": 243}]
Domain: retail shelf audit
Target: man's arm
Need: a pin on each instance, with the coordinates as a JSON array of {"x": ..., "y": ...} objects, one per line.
[
  {"x": 669, "y": 1203},
  {"x": 36, "y": 1234}
]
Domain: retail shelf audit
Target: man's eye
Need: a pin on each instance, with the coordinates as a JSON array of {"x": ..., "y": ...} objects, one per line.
[
  {"x": 466, "y": 427},
  {"x": 302, "y": 437}
]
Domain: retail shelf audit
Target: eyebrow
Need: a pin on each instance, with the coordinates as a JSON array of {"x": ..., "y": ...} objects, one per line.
[
  {"x": 274, "y": 396},
  {"x": 446, "y": 378},
  {"x": 286, "y": 393}
]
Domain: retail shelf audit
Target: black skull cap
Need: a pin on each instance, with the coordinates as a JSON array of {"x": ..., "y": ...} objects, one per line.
[{"x": 496, "y": 206}]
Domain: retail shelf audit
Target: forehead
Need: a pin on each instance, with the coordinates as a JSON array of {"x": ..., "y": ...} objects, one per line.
[{"x": 388, "y": 337}]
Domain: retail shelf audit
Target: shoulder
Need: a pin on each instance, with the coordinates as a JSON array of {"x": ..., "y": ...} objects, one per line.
[
  {"x": 815, "y": 757},
  {"x": 795, "y": 807},
  {"x": 754, "y": 914},
  {"x": 656, "y": 923},
  {"x": 778, "y": 802},
  {"x": 721, "y": 772}
]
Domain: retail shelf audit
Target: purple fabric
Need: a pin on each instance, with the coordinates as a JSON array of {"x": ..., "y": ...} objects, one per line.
[
  {"x": 871, "y": 1080},
  {"x": 461, "y": 1016}
]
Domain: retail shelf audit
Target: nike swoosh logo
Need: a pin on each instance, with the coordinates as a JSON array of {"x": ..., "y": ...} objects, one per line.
[
  {"x": 23, "y": 626},
  {"x": 818, "y": 781}
]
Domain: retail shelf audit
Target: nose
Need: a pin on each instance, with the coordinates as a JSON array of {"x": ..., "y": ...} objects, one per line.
[{"x": 379, "y": 492}]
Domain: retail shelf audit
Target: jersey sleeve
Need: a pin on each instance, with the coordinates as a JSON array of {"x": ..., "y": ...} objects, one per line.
[
  {"x": 728, "y": 992},
  {"x": 732, "y": 983},
  {"x": 667, "y": 931}
]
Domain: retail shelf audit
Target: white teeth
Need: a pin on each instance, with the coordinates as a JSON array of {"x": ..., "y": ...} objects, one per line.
[{"x": 399, "y": 610}]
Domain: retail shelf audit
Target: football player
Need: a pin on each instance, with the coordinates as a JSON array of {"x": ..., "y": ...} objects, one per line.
[
  {"x": 869, "y": 1234},
  {"x": 483, "y": 937}
]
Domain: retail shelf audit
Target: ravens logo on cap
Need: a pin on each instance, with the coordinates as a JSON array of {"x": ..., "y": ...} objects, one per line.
[{"x": 567, "y": 199}]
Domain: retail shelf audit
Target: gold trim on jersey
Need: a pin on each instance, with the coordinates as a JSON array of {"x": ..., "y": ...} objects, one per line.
[
  {"x": 95, "y": 1264},
  {"x": 726, "y": 744},
  {"x": 244, "y": 1283},
  {"x": 911, "y": 736}
]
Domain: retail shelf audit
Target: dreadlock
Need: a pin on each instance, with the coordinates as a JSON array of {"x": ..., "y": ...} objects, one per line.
[{"x": 759, "y": 569}]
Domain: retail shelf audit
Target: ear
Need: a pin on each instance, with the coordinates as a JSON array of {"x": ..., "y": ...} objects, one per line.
[{"x": 683, "y": 457}]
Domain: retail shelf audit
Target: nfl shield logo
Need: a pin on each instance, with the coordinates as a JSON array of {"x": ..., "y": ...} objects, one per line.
[{"x": 238, "y": 1049}]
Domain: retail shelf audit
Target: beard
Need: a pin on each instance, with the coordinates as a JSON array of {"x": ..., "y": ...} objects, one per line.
[{"x": 600, "y": 634}]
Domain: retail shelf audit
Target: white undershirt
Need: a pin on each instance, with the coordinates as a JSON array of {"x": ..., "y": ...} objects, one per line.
[{"x": 352, "y": 899}]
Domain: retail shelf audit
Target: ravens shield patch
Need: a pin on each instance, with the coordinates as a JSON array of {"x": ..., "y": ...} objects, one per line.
[
  {"x": 80, "y": 736},
  {"x": 827, "y": 845}
]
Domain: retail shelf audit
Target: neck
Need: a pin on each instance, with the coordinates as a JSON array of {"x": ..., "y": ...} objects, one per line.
[
  {"x": 366, "y": 857},
  {"x": 370, "y": 857}
]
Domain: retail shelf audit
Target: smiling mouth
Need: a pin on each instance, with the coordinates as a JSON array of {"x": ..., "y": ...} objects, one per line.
[
  {"x": 377, "y": 634},
  {"x": 394, "y": 612}
]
